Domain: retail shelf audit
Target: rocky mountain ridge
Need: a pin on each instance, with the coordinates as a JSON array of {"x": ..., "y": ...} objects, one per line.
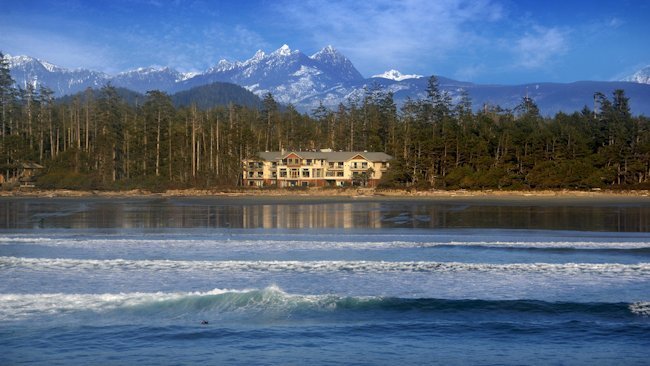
[{"x": 326, "y": 77}]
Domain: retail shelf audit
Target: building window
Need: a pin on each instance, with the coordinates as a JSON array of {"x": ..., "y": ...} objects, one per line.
[
  {"x": 364, "y": 165},
  {"x": 250, "y": 174},
  {"x": 308, "y": 161},
  {"x": 274, "y": 174},
  {"x": 339, "y": 174},
  {"x": 294, "y": 173},
  {"x": 283, "y": 173},
  {"x": 260, "y": 174},
  {"x": 305, "y": 173}
]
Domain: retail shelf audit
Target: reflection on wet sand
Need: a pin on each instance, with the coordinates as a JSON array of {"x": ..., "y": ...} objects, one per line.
[
  {"x": 205, "y": 213},
  {"x": 342, "y": 215}
]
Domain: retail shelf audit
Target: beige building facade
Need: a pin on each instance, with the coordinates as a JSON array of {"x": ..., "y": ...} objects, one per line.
[{"x": 315, "y": 168}]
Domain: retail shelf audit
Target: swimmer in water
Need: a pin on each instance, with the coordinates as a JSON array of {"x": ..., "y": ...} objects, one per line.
[{"x": 204, "y": 322}]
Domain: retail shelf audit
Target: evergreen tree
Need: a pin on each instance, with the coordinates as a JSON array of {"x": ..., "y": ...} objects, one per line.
[
  {"x": 6, "y": 93},
  {"x": 269, "y": 112}
]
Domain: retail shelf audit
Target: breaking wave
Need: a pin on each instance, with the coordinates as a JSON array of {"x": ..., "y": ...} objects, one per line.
[{"x": 273, "y": 302}]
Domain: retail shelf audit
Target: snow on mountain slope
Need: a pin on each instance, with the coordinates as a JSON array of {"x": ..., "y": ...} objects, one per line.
[
  {"x": 27, "y": 70},
  {"x": 396, "y": 75},
  {"x": 642, "y": 76},
  {"x": 332, "y": 61},
  {"x": 149, "y": 78},
  {"x": 290, "y": 75},
  {"x": 326, "y": 77}
]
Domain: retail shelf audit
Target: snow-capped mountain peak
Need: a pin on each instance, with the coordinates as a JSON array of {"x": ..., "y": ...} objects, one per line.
[
  {"x": 396, "y": 75},
  {"x": 51, "y": 67},
  {"x": 328, "y": 53},
  {"x": 326, "y": 77},
  {"x": 331, "y": 60},
  {"x": 14, "y": 61},
  {"x": 146, "y": 70},
  {"x": 642, "y": 76},
  {"x": 25, "y": 61},
  {"x": 258, "y": 55},
  {"x": 27, "y": 70},
  {"x": 31, "y": 62},
  {"x": 285, "y": 50},
  {"x": 187, "y": 75},
  {"x": 163, "y": 75},
  {"x": 222, "y": 66}
]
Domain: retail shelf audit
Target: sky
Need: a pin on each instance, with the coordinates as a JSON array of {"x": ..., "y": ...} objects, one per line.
[{"x": 482, "y": 41}]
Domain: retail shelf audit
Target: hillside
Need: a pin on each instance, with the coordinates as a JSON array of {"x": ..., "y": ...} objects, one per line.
[
  {"x": 208, "y": 96},
  {"x": 205, "y": 96}
]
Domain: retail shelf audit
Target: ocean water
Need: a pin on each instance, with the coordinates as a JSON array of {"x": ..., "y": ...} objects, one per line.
[{"x": 354, "y": 282}]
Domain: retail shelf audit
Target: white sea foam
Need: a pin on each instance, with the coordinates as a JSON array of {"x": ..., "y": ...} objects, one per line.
[
  {"x": 271, "y": 300},
  {"x": 284, "y": 243},
  {"x": 62, "y": 264},
  {"x": 641, "y": 308},
  {"x": 21, "y": 306}
]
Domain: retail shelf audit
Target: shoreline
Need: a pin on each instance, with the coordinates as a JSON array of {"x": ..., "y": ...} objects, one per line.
[{"x": 352, "y": 194}]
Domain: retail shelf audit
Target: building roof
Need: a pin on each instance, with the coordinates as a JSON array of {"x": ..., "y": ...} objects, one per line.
[{"x": 326, "y": 155}]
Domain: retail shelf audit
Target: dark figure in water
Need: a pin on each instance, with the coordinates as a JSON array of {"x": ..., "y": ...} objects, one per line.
[{"x": 204, "y": 322}]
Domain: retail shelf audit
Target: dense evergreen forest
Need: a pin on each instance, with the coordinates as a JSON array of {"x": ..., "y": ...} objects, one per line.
[{"x": 96, "y": 140}]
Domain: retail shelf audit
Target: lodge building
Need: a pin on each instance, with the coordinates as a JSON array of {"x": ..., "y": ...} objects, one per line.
[{"x": 315, "y": 168}]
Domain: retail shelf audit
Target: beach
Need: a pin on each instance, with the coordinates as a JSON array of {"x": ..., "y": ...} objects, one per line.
[
  {"x": 241, "y": 278},
  {"x": 339, "y": 193}
]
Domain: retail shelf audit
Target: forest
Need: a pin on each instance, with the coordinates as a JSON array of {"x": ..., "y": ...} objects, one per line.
[{"x": 97, "y": 140}]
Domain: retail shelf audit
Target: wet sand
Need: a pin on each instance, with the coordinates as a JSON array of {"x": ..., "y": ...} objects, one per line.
[{"x": 284, "y": 209}]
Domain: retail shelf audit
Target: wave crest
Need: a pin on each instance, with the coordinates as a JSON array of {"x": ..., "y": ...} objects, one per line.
[{"x": 273, "y": 303}]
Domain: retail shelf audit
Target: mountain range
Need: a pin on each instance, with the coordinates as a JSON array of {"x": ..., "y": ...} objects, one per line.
[{"x": 327, "y": 77}]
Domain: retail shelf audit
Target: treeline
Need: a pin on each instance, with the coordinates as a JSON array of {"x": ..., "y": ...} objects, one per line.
[{"x": 99, "y": 141}]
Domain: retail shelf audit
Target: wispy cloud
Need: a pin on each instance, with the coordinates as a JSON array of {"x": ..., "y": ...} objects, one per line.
[
  {"x": 540, "y": 46},
  {"x": 615, "y": 22},
  {"x": 189, "y": 36},
  {"x": 227, "y": 42},
  {"x": 379, "y": 33},
  {"x": 469, "y": 72},
  {"x": 61, "y": 50},
  {"x": 477, "y": 40}
]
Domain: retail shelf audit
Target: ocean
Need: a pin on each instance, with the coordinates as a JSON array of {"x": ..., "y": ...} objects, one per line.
[{"x": 269, "y": 281}]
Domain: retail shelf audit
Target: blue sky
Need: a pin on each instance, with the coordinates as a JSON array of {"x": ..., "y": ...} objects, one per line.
[{"x": 485, "y": 41}]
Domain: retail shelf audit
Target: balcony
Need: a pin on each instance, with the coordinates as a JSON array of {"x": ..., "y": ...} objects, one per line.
[
  {"x": 335, "y": 167},
  {"x": 254, "y": 166}
]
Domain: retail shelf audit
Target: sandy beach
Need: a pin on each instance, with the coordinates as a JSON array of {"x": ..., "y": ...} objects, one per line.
[{"x": 352, "y": 194}]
